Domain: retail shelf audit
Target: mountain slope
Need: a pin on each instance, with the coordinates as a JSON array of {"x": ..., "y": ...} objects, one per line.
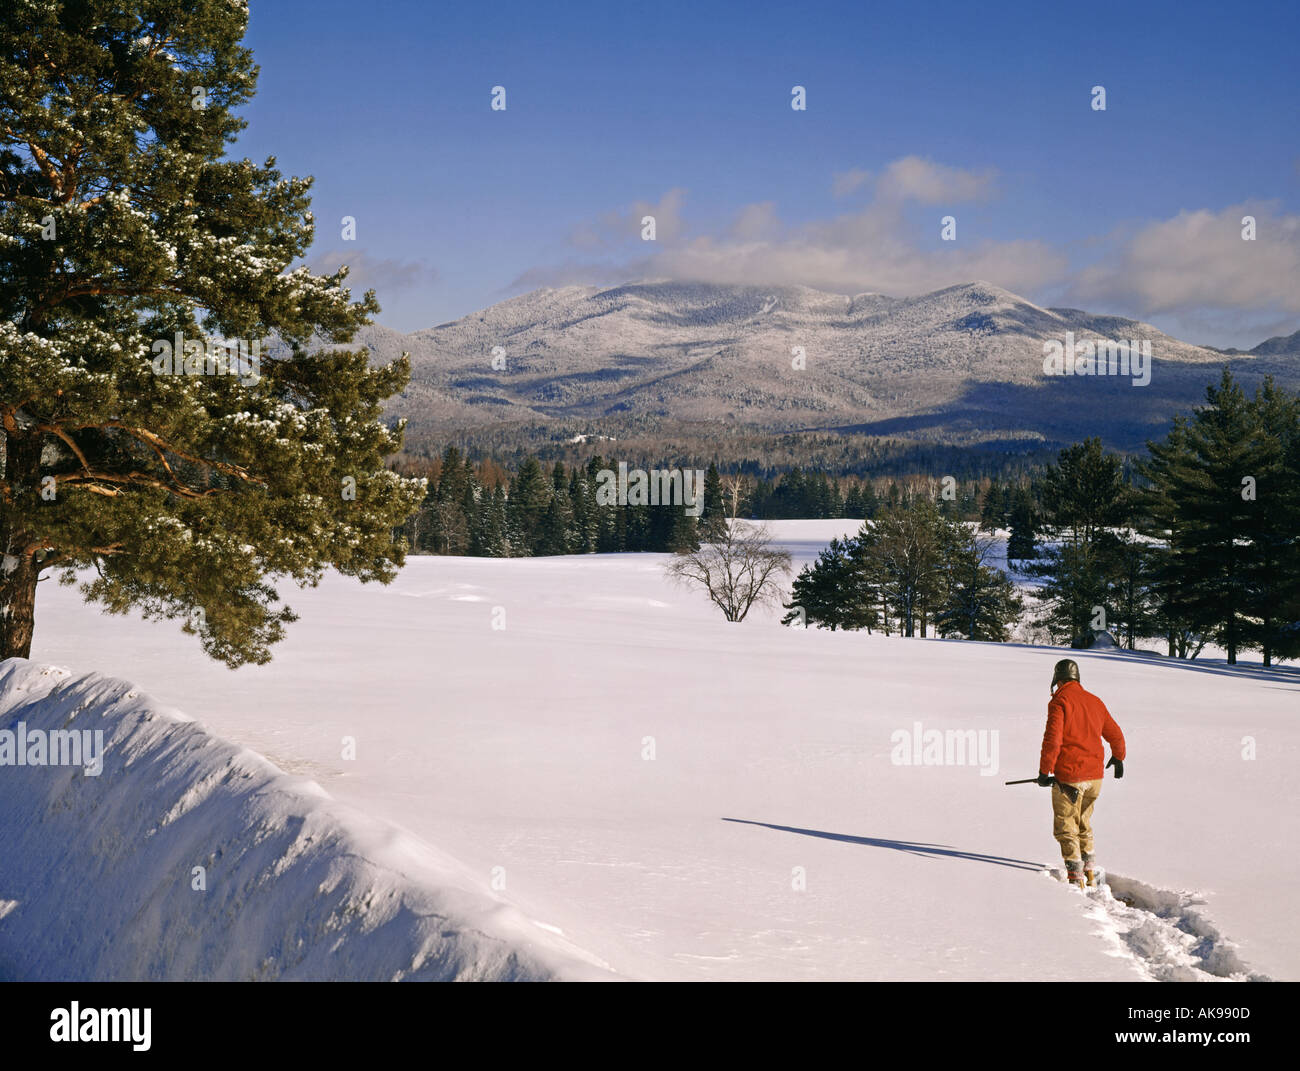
[{"x": 963, "y": 364}]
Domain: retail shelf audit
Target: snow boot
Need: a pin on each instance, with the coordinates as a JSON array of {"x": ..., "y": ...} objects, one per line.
[
  {"x": 1089, "y": 870},
  {"x": 1074, "y": 873}
]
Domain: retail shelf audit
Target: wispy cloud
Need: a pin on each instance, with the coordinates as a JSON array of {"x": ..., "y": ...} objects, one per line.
[
  {"x": 916, "y": 179},
  {"x": 1199, "y": 261},
  {"x": 869, "y": 249},
  {"x": 844, "y": 183},
  {"x": 612, "y": 229},
  {"x": 374, "y": 273},
  {"x": 1193, "y": 271}
]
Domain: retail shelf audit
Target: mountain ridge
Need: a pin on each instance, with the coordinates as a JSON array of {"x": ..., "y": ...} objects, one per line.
[{"x": 963, "y": 364}]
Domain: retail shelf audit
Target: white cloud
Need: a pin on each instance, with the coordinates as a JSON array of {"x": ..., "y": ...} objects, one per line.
[
  {"x": 915, "y": 179},
  {"x": 869, "y": 249},
  {"x": 844, "y": 183},
  {"x": 755, "y": 222},
  {"x": 374, "y": 273},
  {"x": 612, "y": 229},
  {"x": 1193, "y": 272},
  {"x": 1198, "y": 261}
]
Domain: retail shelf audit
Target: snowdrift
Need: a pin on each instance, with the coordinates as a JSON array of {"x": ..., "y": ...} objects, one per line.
[{"x": 99, "y": 878}]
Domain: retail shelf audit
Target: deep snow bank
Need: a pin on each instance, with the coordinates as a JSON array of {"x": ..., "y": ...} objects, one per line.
[{"x": 97, "y": 873}]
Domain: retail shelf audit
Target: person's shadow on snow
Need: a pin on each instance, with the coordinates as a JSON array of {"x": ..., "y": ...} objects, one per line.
[{"x": 929, "y": 850}]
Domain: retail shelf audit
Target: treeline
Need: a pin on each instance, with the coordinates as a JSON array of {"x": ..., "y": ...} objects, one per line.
[
  {"x": 1197, "y": 543},
  {"x": 758, "y": 455},
  {"x": 815, "y": 495},
  {"x": 481, "y": 510}
]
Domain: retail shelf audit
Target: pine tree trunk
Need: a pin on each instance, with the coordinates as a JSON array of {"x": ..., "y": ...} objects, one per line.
[
  {"x": 20, "y": 467},
  {"x": 18, "y": 574}
]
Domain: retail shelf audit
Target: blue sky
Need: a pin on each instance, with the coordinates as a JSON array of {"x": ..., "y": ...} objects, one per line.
[{"x": 914, "y": 111}]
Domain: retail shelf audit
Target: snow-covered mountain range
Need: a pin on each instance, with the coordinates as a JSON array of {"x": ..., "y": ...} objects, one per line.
[{"x": 960, "y": 365}]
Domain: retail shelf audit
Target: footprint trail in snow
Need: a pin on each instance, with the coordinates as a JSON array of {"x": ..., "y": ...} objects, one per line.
[{"x": 1166, "y": 932}]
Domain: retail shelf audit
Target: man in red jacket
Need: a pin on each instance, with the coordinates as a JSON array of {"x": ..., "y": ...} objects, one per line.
[{"x": 1071, "y": 762}]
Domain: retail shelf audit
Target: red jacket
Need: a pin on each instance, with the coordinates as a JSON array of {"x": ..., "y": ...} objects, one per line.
[{"x": 1077, "y": 721}]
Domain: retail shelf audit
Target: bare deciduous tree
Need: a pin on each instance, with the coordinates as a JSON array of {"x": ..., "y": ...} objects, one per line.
[
  {"x": 734, "y": 489},
  {"x": 740, "y": 570}
]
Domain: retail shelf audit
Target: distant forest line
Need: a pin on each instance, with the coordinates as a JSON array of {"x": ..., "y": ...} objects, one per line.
[{"x": 1197, "y": 541}]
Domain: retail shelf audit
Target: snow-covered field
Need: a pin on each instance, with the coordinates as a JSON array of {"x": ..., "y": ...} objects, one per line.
[{"x": 668, "y": 794}]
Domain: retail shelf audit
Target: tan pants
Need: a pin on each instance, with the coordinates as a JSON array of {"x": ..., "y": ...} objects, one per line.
[{"x": 1072, "y": 822}]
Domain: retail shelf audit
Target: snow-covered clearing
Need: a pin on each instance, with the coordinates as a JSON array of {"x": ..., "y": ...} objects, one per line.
[{"x": 676, "y": 796}]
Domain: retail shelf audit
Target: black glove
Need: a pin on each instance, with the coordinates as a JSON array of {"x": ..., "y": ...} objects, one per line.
[
  {"x": 1045, "y": 780},
  {"x": 1118, "y": 764}
]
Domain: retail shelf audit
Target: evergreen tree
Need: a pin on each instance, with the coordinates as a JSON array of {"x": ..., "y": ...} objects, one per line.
[
  {"x": 683, "y": 531},
  {"x": 1273, "y": 572},
  {"x": 496, "y": 529},
  {"x": 1023, "y": 520},
  {"x": 1081, "y": 497},
  {"x": 1131, "y": 607},
  {"x": 556, "y": 535},
  {"x": 854, "y": 508},
  {"x": 979, "y": 603},
  {"x": 1084, "y": 492},
  {"x": 449, "y": 520},
  {"x": 582, "y": 504},
  {"x": 527, "y": 506},
  {"x": 1074, "y": 592},
  {"x": 1204, "y": 500},
  {"x": 1186, "y": 629},
  {"x": 906, "y": 551},
  {"x": 870, "y": 503},
  {"x": 124, "y": 228},
  {"x": 832, "y": 592},
  {"x": 713, "y": 519}
]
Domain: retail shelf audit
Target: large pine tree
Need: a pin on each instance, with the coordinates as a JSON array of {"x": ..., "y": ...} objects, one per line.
[
  {"x": 1206, "y": 479},
  {"x": 190, "y": 482},
  {"x": 1082, "y": 497}
]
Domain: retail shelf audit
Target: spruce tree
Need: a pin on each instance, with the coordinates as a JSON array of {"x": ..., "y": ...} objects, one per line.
[
  {"x": 582, "y": 504},
  {"x": 496, "y": 528},
  {"x": 527, "y": 505},
  {"x": 713, "y": 518},
  {"x": 832, "y": 592},
  {"x": 190, "y": 482},
  {"x": 854, "y": 509},
  {"x": 557, "y": 535},
  {"x": 1023, "y": 520}
]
